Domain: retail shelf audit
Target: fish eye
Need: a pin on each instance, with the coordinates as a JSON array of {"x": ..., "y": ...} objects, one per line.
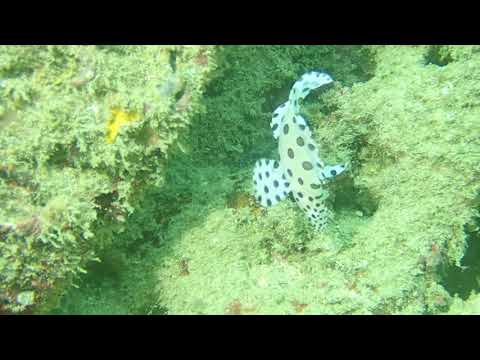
[{"x": 333, "y": 172}]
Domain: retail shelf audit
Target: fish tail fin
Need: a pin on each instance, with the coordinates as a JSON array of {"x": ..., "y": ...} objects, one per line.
[{"x": 309, "y": 81}]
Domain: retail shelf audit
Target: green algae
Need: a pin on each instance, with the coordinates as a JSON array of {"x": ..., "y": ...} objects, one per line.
[
  {"x": 66, "y": 186},
  {"x": 411, "y": 135}
]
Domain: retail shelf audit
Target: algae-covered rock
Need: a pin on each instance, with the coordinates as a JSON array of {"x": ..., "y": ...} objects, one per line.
[
  {"x": 410, "y": 131},
  {"x": 469, "y": 307},
  {"x": 405, "y": 214},
  {"x": 84, "y": 130}
]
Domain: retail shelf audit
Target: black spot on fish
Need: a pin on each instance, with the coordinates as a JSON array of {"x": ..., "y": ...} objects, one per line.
[
  {"x": 290, "y": 153},
  {"x": 302, "y": 127},
  {"x": 260, "y": 176},
  {"x": 289, "y": 172},
  {"x": 283, "y": 177},
  {"x": 267, "y": 162},
  {"x": 300, "y": 195},
  {"x": 259, "y": 198},
  {"x": 300, "y": 141},
  {"x": 275, "y": 126},
  {"x": 307, "y": 165},
  {"x": 266, "y": 189},
  {"x": 310, "y": 198},
  {"x": 315, "y": 186},
  {"x": 275, "y": 115},
  {"x": 276, "y": 164},
  {"x": 300, "y": 181},
  {"x": 311, "y": 147},
  {"x": 275, "y": 183},
  {"x": 287, "y": 184},
  {"x": 278, "y": 197},
  {"x": 269, "y": 202}
]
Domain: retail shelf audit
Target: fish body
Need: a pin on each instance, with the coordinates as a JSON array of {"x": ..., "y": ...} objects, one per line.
[{"x": 300, "y": 170}]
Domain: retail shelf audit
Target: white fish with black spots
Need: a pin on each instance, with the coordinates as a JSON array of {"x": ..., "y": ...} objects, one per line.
[{"x": 300, "y": 169}]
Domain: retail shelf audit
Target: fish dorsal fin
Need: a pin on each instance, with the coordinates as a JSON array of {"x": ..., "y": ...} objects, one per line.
[{"x": 270, "y": 182}]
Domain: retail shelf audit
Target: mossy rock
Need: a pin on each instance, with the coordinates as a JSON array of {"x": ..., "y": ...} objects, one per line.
[
  {"x": 85, "y": 131},
  {"x": 405, "y": 216},
  {"x": 410, "y": 132}
]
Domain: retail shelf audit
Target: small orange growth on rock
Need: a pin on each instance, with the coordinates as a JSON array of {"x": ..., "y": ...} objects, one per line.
[
  {"x": 184, "y": 267},
  {"x": 30, "y": 226},
  {"x": 201, "y": 58},
  {"x": 239, "y": 200},
  {"x": 439, "y": 300},
  {"x": 236, "y": 308},
  {"x": 299, "y": 307},
  {"x": 41, "y": 285},
  {"x": 257, "y": 210},
  {"x": 352, "y": 285},
  {"x": 360, "y": 274}
]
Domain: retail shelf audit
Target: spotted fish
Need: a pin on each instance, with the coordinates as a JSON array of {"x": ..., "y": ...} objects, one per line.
[{"x": 300, "y": 170}]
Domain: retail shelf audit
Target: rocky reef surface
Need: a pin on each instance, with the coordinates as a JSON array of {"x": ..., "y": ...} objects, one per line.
[{"x": 148, "y": 168}]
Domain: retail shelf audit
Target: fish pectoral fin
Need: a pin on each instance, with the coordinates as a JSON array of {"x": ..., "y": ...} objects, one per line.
[
  {"x": 270, "y": 183},
  {"x": 330, "y": 171}
]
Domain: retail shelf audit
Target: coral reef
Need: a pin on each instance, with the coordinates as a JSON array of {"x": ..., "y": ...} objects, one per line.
[
  {"x": 85, "y": 131},
  {"x": 411, "y": 135},
  {"x": 188, "y": 238}
]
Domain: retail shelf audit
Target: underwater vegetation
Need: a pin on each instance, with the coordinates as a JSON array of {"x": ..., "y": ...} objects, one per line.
[
  {"x": 126, "y": 180},
  {"x": 84, "y": 130}
]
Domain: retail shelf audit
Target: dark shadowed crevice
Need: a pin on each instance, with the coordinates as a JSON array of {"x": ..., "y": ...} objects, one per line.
[
  {"x": 349, "y": 196},
  {"x": 463, "y": 280},
  {"x": 173, "y": 60},
  {"x": 438, "y": 55}
]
